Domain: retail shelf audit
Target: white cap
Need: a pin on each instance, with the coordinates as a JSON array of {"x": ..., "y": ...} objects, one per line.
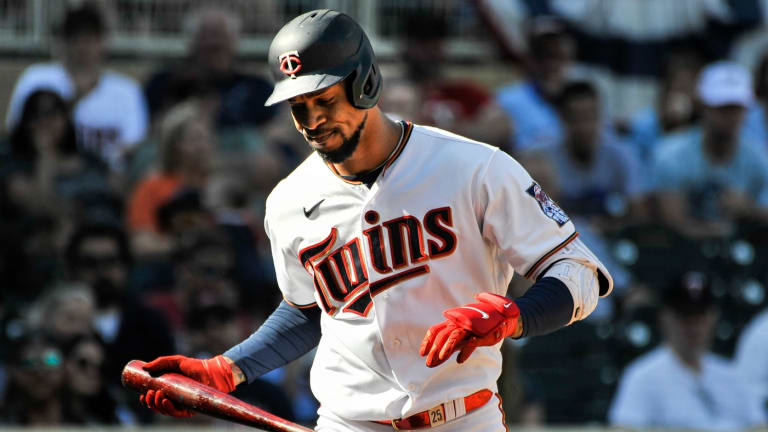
[{"x": 725, "y": 83}]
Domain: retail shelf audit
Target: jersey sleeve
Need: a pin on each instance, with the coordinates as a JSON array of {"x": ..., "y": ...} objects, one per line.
[
  {"x": 296, "y": 284},
  {"x": 517, "y": 216}
]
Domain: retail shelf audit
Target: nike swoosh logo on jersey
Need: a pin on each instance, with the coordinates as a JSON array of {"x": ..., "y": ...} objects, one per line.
[
  {"x": 508, "y": 305},
  {"x": 482, "y": 314},
  {"x": 308, "y": 213}
]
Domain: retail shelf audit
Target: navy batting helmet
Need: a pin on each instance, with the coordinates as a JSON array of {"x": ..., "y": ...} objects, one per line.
[{"x": 319, "y": 49}]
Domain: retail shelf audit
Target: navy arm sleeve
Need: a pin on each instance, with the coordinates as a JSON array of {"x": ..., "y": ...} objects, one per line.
[
  {"x": 286, "y": 335},
  {"x": 545, "y": 307}
]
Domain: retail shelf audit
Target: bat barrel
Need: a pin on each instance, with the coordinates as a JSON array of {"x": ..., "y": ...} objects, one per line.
[{"x": 201, "y": 398}]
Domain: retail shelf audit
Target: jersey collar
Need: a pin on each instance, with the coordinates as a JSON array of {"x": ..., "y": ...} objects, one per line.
[{"x": 407, "y": 128}]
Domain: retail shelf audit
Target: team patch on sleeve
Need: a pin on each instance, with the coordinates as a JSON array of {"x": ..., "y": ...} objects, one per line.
[{"x": 550, "y": 209}]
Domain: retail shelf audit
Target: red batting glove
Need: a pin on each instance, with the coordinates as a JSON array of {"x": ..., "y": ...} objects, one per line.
[
  {"x": 156, "y": 401},
  {"x": 485, "y": 323},
  {"x": 214, "y": 372}
]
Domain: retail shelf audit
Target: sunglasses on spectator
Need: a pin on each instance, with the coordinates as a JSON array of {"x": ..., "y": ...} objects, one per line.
[{"x": 49, "y": 359}]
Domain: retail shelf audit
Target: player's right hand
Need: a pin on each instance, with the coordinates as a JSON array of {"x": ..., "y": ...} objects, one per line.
[{"x": 214, "y": 372}]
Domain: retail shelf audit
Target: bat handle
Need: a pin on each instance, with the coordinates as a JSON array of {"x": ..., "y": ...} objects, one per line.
[{"x": 191, "y": 394}]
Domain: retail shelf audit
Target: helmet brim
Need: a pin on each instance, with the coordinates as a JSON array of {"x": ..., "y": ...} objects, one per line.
[{"x": 300, "y": 85}]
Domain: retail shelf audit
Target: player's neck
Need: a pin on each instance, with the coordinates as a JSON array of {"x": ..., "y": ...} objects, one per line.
[{"x": 377, "y": 141}]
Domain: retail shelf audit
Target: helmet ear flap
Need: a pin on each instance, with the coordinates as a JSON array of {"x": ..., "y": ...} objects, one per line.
[
  {"x": 350, "y": 83},
  {"x": 369, "y": 82},
  {"x": 364, "y": 89}
]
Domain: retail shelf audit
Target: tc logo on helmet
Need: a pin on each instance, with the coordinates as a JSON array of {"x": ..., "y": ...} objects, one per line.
[{"x": 290, "y": 64}]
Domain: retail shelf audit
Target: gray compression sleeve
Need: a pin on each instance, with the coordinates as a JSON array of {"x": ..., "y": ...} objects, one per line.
[{"x": 286, "y": 335}]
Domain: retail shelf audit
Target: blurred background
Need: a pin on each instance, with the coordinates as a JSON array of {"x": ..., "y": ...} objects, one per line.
[{"x": 136, "y": 155}]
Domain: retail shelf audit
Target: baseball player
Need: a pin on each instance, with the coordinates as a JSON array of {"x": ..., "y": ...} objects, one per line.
[{"x": 394, "y": 245}]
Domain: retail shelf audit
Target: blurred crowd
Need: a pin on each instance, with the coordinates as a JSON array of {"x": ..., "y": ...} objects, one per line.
[{"x": 131, "y": 222}]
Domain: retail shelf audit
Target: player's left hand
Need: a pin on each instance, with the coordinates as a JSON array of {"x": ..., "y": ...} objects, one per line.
[{"x": 485, "y": 323}]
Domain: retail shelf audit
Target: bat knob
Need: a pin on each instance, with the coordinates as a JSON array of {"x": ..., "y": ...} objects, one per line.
[{"x": 134, "y": 375}]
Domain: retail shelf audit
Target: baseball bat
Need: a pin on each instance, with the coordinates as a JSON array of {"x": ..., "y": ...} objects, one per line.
[{"x": 196, "y": 396}]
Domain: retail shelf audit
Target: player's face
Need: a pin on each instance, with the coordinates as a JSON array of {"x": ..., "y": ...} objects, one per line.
[{"x": 329, "y": 123}]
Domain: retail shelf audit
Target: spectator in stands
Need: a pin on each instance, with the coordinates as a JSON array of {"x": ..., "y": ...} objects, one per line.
[
  {"x": 98, "y": 254},
  {"x": 242, "y": 152},
  {"x": 42, "y": 182},
  {"x": 29, "y": 252},
  {"x": 530, "y": 103},
  {"x": 211, "y": 327},
  {"x": 204, "y": 265},
  {"x": 460, "y": 105},
  {"x": 710, "y": 177},
  {"x": 186, "y": 160},
  {"x": 755, "y": 127},
  {"x": 87, "y": 401},
  {"x": 210, "y": 70},
  {"x": 109, "y": 108},
  {"x": 751, "y": 355},
  {"x": 185, "y": 215},
  {"x": 597, "y": 178},
  {"x": 65, "y": 313},
  {"x": 238, "y": 212},
  {"x": 681, "y": 384},
  {"x": 675, "y": 110},
  {"x": 190, "y": 212},
  {"x": 35, "y": 393},
  {"x": 42, "y": 170}
]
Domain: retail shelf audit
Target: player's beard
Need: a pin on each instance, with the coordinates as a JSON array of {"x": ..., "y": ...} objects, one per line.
[{"x": 347, "y": 147}]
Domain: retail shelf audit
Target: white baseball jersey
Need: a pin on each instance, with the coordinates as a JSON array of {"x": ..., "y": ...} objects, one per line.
[
  {"x": 446, "y": 219},
  {"x": 110, "y": 119}
]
